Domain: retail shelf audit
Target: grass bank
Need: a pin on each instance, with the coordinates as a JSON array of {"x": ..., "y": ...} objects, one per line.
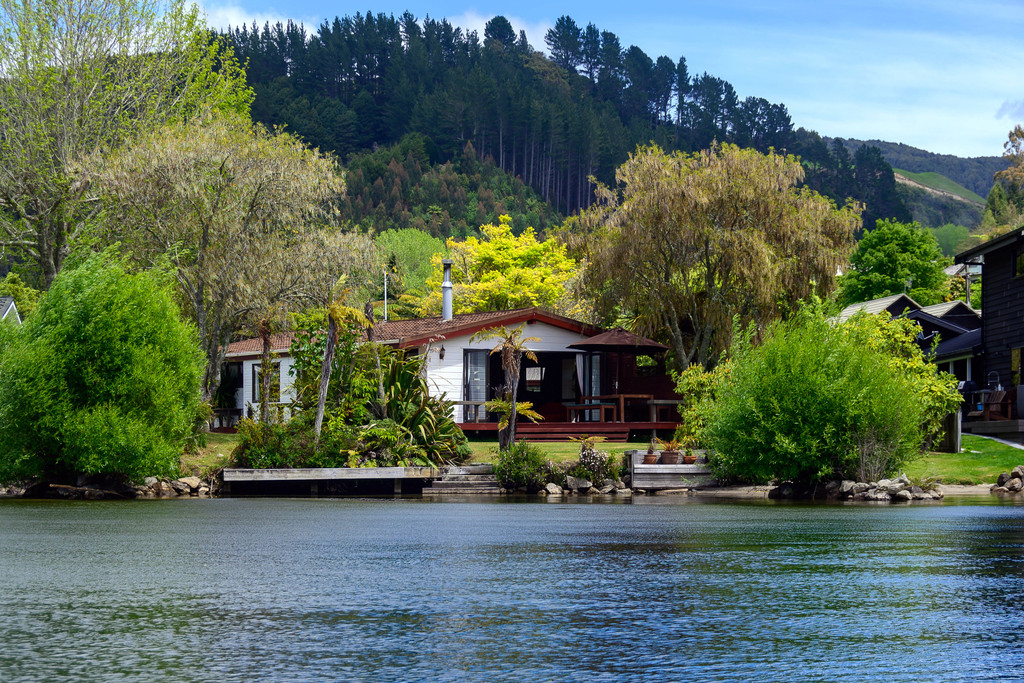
[{"x": 980, "y": 462}]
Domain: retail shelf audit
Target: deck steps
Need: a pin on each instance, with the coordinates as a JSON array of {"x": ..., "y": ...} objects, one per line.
[{"x": 465, "y": 479}]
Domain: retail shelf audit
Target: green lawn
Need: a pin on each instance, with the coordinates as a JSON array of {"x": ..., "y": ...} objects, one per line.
[
  {"x": 557, "y": 451},
  {"x": 980, "y": 462}
]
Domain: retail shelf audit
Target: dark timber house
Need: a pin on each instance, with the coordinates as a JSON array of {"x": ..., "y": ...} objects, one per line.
[{"x": 998, "y": 363}]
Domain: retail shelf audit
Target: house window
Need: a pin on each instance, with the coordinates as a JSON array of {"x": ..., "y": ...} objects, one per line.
[
  {"x": 534, "y": 378},
  {"x": 275, "y": 382},
  {"x": 1018, "y": 262}
]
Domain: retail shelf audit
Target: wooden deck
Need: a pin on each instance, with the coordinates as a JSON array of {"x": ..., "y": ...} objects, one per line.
[
  {"x": 1011, "y": 430},
  {"x": 560, "y": 431}
]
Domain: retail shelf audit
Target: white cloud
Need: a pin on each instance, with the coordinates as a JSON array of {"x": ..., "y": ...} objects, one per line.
[{"x": 221, "y": 16}]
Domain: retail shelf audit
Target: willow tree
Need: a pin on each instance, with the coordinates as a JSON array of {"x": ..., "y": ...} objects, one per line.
[
  {"x": 230, "y": 206},
  {"x": 83, "y": 77},
  {"x": 688, "y": 242}
]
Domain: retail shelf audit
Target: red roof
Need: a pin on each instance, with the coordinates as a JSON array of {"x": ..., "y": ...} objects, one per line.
[
  {"x": 420, "y": 331},
  {"x": 281, "y": 341}
]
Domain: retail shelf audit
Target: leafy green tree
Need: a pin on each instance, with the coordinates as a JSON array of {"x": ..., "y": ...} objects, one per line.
[
  {"x": 501, "y": 271},
  {"x": 82, "y": 77},
  {"x": 950, "y": 238},
  {"x": 892, "y": 259},
  {"x": 228, "y": 204},
  {"x": 817, "y": 400},
  {"x": 25, "y": 298},
  {"x": 693, "y": 241},
  {"x": 102, "y": 379}
]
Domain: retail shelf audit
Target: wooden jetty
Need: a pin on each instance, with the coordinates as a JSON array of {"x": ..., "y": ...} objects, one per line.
[{"x": 315, "y": 481}]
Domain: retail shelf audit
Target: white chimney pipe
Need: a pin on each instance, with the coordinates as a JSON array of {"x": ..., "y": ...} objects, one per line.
[{"x": 446, "y": 290}]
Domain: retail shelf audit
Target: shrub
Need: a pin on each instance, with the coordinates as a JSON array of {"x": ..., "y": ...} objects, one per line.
[
  {"x": 521, "y": 465},
  {"x": 594, "y": 465},
  {"x": 817, "y": 400},
  {"x": 102, "y": 379}
]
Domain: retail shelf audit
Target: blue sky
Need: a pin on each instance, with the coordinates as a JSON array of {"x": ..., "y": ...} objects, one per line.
[{"x": 944, "y": 76}]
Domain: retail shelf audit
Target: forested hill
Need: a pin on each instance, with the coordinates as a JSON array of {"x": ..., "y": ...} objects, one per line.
[
  {"x": 973, "y": 173},
  {"x": 362, "y": 82}
]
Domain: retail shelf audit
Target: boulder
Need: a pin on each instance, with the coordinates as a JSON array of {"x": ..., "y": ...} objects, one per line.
[
  {"x": 1017, "y": 472},
  {"x": 149, "y": 481},
  {"x": 903, "y": 496},
  {"x": 846, "y": 487},
  {"x": 619, "y": 484},
  {"x": 624, "y": 492},
  {"x": 606, "y": 489},
  {"x": 592, "y": 491},
  {"x": 193, "y": 482},
  {"x": 999, "y": 489},
  {"x": 577, "y": 484},
  {"x": 882, "y": 483},
  {"x": 1014, "y": 485},
  {"x": 861, "y": 487},
  {"x": 180, "y": 487},
  {"x": 553, "y": 489},
  {"x": 1002, "y": 479}
]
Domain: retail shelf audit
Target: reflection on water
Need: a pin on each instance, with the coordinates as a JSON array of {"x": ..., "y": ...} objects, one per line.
[{"x": 396, "y": 590}]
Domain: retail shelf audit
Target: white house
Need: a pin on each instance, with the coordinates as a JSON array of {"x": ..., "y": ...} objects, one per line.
[{"x": 566, "y": 385}]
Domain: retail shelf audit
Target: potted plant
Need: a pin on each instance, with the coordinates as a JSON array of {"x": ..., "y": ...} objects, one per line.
[
  {"x": 689, "y": 457},
  {"x": 651, "y": 457},
  {"x": 670, "y": 452}
]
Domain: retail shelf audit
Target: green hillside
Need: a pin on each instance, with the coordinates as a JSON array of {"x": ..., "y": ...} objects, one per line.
[{"x": 941, "y": 183}]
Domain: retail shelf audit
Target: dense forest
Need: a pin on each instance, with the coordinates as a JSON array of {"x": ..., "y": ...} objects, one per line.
[{"x": 362, "y": 82}]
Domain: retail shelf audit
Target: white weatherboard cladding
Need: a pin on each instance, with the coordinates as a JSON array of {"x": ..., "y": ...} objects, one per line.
[
  {"x": 444, "y": 375},
  {"x": 247, "y": 395}
]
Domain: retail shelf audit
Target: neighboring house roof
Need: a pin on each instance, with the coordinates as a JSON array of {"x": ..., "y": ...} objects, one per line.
[
  {"x": 420, "y": 331},
  {"x": 279, "y": 342},
  {"x": 7, "y": 307},
  {"x": 966, "y": 344},
  {"x": 894, "y": 305},
  {"x": 940, "y": 310}
]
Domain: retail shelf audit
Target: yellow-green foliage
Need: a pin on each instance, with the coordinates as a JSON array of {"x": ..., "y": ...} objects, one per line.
[
  {"x": 501, "y": 271},
  {"x": 698, "y": 388},
  {"x": 896, "y": 338}
]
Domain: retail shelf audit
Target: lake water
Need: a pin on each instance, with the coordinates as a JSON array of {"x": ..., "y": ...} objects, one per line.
[{"x": 414, "y": 590}]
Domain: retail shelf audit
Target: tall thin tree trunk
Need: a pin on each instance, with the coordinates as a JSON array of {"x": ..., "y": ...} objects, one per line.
[
  {"x": 325, "y": 378},
  {"x": 266, "y": 372}
]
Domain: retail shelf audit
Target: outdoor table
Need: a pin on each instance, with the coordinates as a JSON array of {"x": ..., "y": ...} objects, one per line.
[
  {"x": 621, "y": 398},
  {"x": 661, "y": 404}
]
